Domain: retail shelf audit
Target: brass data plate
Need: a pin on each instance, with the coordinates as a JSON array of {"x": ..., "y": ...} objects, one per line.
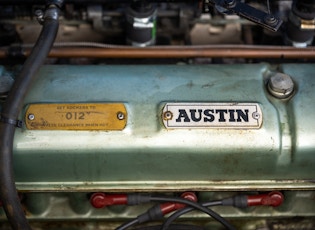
[{"x": 76, "y": 117}]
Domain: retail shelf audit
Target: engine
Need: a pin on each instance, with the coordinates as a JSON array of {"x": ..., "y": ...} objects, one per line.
[{"x": 157, "y": 114}]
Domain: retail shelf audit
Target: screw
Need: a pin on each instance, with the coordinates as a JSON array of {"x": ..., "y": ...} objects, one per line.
[
  {"x": 168, "y": 115},
  {"x": 120, "y": 116},
  {"x": 31, "y": 116},
  {"x": 280, "y": 85}
]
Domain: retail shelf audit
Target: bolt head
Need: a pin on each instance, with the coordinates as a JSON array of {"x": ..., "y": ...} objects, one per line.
[{"x": 281, "y": 85}]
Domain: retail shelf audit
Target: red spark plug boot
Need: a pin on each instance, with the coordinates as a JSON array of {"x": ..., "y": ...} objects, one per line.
[
  {"x": 157, "y": 212},
  {"x": 271, "y": 199},
  {"x": 170, "y": 207},
  {"x": 100, "y": 200}
]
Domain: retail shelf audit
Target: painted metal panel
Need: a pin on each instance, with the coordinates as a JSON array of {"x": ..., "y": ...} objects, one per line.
[{"x": 147, "y": 156}]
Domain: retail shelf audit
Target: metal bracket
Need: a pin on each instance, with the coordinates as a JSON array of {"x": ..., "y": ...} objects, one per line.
[{"x": 264, "y": 19}]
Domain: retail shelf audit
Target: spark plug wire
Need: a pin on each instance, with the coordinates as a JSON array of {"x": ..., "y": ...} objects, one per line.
[
  {"x": 273, "y": 199},
  {"x": 158, "y": 211},
  {"x": 134, "y": 199}
]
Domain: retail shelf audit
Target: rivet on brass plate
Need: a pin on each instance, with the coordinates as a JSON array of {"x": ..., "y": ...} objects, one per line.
[{"x": 120, "y": 116}]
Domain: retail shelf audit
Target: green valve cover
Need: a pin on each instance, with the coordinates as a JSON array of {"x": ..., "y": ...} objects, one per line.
[{"x": 163, "y": 128}]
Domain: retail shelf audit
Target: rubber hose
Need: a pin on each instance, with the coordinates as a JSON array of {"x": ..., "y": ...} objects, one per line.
[{"x": 11, "y": 109}]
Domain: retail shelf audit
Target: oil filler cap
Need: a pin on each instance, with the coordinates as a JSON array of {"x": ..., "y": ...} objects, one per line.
[{"x": 280, "y": 85}]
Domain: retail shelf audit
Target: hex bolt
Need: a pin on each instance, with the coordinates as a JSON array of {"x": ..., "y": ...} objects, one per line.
[
  {"x": 31, "y": 117},
  {"x": 120, "y": 116},
  {"x": 280, "y": 85}
]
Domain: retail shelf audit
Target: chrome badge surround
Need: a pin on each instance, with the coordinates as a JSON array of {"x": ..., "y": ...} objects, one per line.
[{"x": 212, "y": 115}]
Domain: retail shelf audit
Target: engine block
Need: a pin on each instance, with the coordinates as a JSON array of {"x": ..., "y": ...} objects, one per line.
[{"x": 129, "y": 114}]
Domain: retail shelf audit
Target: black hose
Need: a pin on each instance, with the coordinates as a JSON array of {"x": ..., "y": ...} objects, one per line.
[{"x": 10, "y": 112}]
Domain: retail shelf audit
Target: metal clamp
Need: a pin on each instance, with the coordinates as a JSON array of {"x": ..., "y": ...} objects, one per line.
[{"x": 16, "y": 123}]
